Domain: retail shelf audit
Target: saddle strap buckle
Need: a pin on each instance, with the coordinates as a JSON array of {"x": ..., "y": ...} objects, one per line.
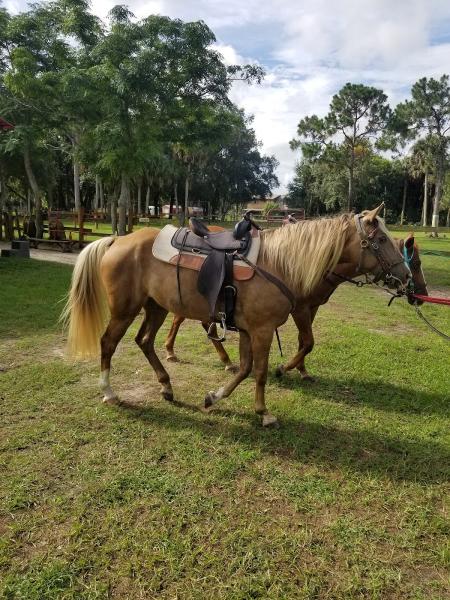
[{"x": 223, "y": 324}]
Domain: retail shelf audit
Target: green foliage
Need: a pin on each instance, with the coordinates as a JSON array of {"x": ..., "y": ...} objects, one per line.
[
  {"x": 427, "y": 116},
  {"x": 129, "y": 100},
  {"x": 357, "y": 113}
]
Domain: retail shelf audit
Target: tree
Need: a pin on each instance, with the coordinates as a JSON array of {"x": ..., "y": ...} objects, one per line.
[
  {"x": 445, "y": 200},
  {"x": 421, "y": 165},
  {"x": 427, "y": 115},
  {"x": 357, "y": 113},
  {"x": 98, "y": 108}
]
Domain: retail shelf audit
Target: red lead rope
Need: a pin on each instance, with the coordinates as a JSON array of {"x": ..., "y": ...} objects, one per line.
[{"x": 432, "y": 299}]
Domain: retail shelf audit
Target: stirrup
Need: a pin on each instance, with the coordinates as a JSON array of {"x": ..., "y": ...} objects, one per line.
[{"x": 223, "y": 324}]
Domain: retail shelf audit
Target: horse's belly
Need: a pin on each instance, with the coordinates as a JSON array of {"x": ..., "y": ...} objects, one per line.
[{"x": 183, "y": 300}]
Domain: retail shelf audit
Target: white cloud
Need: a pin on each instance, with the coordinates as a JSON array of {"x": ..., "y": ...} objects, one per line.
[{"x": 230, "y": 56}]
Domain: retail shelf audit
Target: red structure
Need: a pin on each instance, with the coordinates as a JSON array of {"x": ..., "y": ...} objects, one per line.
[{"x": 5, "y": 126}]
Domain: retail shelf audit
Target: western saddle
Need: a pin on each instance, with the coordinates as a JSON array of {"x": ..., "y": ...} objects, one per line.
[{"x": 216, "y": 274}]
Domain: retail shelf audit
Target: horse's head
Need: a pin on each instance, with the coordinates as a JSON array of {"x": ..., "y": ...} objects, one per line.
[
  {"x": 410, "y": 252},
  {"x": 378, "y": 252}
]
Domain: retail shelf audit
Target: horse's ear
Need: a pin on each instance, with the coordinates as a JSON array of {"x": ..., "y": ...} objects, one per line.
[
  {"x": 372, "y": 214},
  {"x": 409, "y": 241}
]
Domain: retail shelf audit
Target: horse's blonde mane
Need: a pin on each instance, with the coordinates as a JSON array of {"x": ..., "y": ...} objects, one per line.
[{"x": 303, "y": 252}]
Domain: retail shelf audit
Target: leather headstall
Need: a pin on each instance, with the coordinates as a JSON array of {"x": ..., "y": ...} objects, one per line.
[{"x": 371, "y": 242}]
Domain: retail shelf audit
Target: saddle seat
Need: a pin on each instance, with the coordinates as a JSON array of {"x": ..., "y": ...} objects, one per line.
[
  {"x": 198, "y": 238},
  {"x": 226, "y": 241}
]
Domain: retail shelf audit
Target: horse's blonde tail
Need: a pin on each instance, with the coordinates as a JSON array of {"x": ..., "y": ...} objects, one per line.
[{"x": 85, "y": 311}]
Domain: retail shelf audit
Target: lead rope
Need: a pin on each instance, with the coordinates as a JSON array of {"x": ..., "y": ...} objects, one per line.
[
  {"x": 279, "y": 342},
  {"x": 418, "y": 311},
  {"x": 432, "y": 327}
]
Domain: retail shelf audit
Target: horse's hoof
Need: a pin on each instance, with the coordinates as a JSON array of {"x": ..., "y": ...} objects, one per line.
[
  {"x": 172, "y": 358},
  {"x": 280, "y": 371},
  {"x": 232, "y": 368},
  {"x": 269, "y": 420},
  {"x": 167, "y": 396},
  {"x": 209, "y": 399},
  {"x": 308, "y": 378},
  {"x": 111, "y": 400}
]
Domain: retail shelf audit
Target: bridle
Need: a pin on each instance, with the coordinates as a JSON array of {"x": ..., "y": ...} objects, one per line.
[
  {"x": 371, "y": 242},
  {"x": 414, "y": 263}
]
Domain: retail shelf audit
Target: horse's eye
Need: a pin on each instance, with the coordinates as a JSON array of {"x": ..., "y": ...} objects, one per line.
[{"x": 382, "y": 239}]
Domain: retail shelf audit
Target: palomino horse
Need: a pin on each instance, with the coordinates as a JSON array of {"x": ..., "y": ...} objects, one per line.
[
  {"x": 305, "y": 311},
  {"x": 125, "y": 271}
]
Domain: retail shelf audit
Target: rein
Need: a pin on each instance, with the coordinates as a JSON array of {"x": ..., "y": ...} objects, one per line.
[
  {"x": 431, "y": 299},
  {"x": 430, "y": 325},
  {"x": 271, "y": 278}
]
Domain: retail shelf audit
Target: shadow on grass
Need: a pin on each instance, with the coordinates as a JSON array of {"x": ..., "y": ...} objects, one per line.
[
  {"x": 376, "y": 394},
  {"x": 308, "y": 442}
]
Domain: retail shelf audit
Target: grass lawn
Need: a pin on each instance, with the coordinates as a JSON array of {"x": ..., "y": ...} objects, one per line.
[{"x": 348, "y": 499}]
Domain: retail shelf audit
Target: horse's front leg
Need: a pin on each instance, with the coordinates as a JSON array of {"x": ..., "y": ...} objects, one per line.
[
  {"x": 303, "y": 319},
  {"x": 245, "y": 367},
  {"x": 261, "y": 342}
]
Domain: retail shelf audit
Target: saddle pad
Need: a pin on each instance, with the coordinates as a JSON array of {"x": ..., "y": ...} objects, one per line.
[{"x": 164, "y": 251}]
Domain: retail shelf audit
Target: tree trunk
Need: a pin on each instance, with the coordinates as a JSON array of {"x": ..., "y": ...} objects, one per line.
[
  {"x": 139, "y": 197},
  {"x": 101, "y": 194},
  {"x": 130, "y": 218},
  {"x": 440, "y": 175},
  {"x": 425, "y": 200},
  {"x": 108, "y": 210},
  {"x": 3, "y": 198},
  {"x": 185, "y": 215},
  {"x": 124, "y": 201},
  {"x": 447, "y": 224},
  {"x": 147, "y": 200},
  {"x": 36, "y": 191},
  {"x": 175, "y": 196},
  {"x": 405, "y": 190},
  {"x": 113, "y": 208},
  {"x": 76, "y": 185},
  {"x": 97, "y": 193},
  {"x": 171, "y": 203},
  {"x": 350, "y": 181},
  {"x": 50, "y": 198}
]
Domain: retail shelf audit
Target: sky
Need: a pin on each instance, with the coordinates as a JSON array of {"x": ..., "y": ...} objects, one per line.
[{"x": 309, "y": 50}]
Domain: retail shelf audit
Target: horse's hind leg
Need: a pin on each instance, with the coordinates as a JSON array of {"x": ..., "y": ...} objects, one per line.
[
  {"x": 170, "y": 340},
  {"x": 145, "y": 339},
  {"x": 223, "y": 354},
  {"x": 304, "y": 321},
  {"x": 112, "y": 336}
]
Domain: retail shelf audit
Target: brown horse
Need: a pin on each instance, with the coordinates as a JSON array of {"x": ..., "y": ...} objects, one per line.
[
  {"x": 305, "y": 311},
  {"x": 125, "y": 271}
]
